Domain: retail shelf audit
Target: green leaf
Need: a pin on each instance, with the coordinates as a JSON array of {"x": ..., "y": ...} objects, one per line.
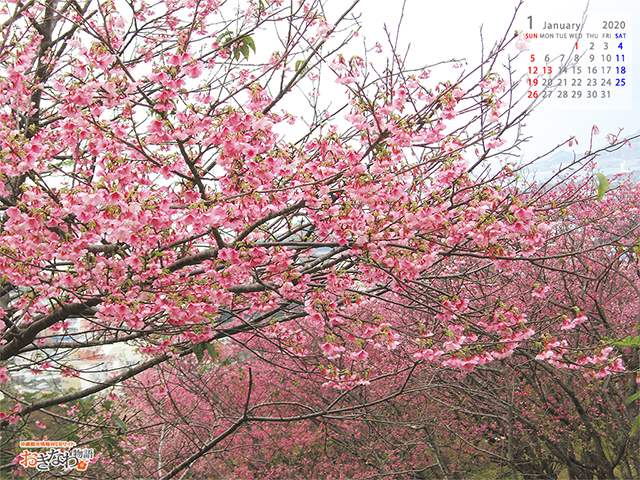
[
  {"x": 212, "y": 350},
  {"x": 249, "y": 42},
  {"x": 633, "y": 397},
  {"x": 603, "y": 185},
  {"x": 225, "y": 37},
  {"x": 198, "y": 349},
  {"x": 244, "y": 49},
  {"x": 113, "y": 444},
  {"x": 635, "y": 427},
  {"x": 121, "y": 424},
  {"x": 628, "y": 342},
  {"x": 109, "y": 442}
]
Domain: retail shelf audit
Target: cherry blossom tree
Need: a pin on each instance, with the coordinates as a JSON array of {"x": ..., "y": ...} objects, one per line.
[
  {"x": 171, "y": 179},
  {"x": 555, "y": 415},
  {"x": 184, "y": 402},
  {"x": 534, "y": 413}
]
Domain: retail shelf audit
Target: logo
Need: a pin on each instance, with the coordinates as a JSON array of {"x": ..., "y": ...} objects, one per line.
[{"x": 59, "y": 455}]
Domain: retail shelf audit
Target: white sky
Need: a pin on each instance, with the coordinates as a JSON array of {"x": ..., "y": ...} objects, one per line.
[{"x": 440, "y": 30}]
